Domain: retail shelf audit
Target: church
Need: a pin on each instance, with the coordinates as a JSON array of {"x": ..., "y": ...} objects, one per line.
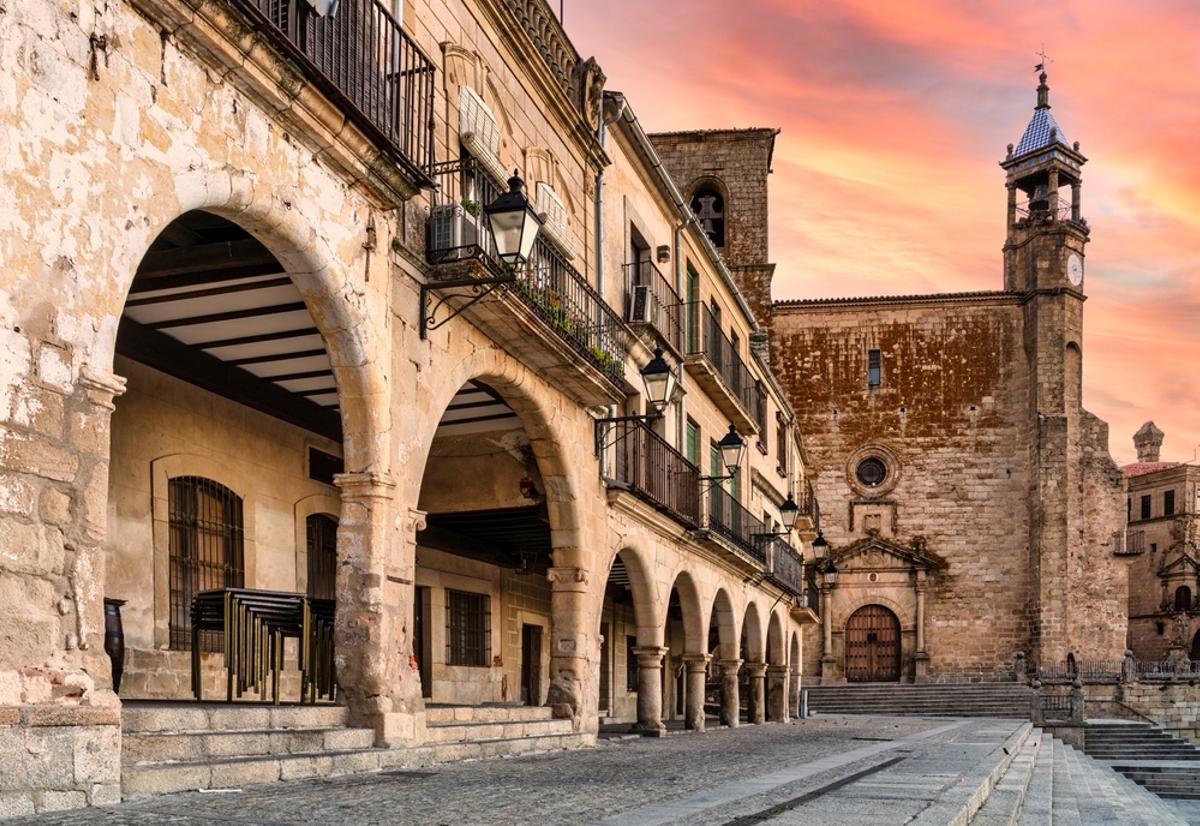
[{"x": 971, "y": 510}]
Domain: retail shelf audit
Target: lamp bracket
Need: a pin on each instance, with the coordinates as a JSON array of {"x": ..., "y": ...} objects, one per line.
[
  {"x": 602, "y": 427},
  {"x": 472, "y": 289}
]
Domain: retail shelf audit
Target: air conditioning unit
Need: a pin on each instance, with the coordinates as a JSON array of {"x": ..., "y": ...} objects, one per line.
[
  {"x": 641, "y": 307},
  {"x": 451, "y": 227}
]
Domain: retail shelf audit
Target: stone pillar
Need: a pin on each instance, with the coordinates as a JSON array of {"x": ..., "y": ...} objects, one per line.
[
  {"x": 572, "y": 639},
  {"x": 649, "y": 700},
  {"x": 1075, "y": 188},
  {"x": 1077, "y": 702},
  {"x": 1053, "y": 191},
  {"x": 828, "y": 663},
  {"x": 1012, "y": 205},
  {"x": 730, "y": 702},
  {"x": 758, "y": 700},
  {"x": 794, "y": 692},
  {"x": 777, "y": 693},
  {"x": 920, "y": 656},
  {"x": 697, "y": 671},
  {"x": 376, "y": 671}
]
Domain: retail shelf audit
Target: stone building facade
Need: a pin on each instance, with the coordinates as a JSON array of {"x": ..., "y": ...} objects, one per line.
[
  {"x": 969, "y": 500},
  {"x": 1162, "y": 542},
  {"x": 256, "y": 337}
]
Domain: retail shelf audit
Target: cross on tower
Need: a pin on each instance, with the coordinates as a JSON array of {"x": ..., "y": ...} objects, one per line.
[{"x": 1041, "y": 67}]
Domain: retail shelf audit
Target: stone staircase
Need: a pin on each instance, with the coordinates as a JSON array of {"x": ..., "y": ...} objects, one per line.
[
  {"x": 171, "y": 747},
  {"x": 923, "y": 700},
  {"x": 1049, "y": 782},
  {"x": 1164, "y": 764}
]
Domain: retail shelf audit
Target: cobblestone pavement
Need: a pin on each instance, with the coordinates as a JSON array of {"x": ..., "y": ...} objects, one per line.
[{"x": 688, "y": 778}]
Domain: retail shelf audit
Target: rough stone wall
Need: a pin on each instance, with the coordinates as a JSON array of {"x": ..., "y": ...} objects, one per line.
[{"x": 952, "y": 410}]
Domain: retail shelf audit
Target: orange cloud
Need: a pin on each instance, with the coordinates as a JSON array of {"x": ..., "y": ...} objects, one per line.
[{"x": 893, "y": 119}]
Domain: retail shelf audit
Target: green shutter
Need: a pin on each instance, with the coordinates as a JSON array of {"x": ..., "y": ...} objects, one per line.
[{"x": 693, "y": 443}]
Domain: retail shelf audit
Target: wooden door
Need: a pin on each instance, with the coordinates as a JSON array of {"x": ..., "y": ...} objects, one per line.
[
  {"x": 872, "y": 645},
  {"x": 531, "y": 665},
  {"x": 605, "y": 672}
]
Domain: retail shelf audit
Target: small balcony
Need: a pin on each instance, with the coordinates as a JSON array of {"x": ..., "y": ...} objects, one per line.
[
  {"x": 728, "y": 519},
  {"x": 718, "y": 368},
  {"x": 787, "y": 566},
  {"x": 543, "y": 312},
  {"x": 651, "y": 302},
  {"x": 1129, "y": 543},
  {"x": 808, "y": 520},
  {"x": 646, "y": 465},
  {"x": 366, "y": 64}
]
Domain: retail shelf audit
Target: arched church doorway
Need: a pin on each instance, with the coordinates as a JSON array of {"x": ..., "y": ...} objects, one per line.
[
  {"x": 872, "y": 645},
  {"x": 1195, "y": 653}
]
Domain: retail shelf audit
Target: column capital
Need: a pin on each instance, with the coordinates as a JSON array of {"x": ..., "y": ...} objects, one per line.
[
  {"x": 697, "y": 662},
  {"x": 367, "y": 485},
  {"x": 573, "y": 578},
  {"x": 730, "y": 665},
  {"x": 778, "y": 670},
  {"x": 101, "y": 386},
  {"x": 756, "y": 669},
  {"x": 650, "y": 656}
]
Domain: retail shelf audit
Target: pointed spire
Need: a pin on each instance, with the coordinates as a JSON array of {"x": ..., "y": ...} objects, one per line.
[{"x": 1043, "y": 92}]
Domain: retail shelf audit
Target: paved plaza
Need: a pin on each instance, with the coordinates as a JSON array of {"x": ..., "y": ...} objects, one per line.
[{"x": 836, "y": 770}]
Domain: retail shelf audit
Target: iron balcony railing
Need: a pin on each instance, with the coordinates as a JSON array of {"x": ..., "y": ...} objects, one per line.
[
  {"x": 362, "y": 60},
  {"x": 655, "y": 471},
  {"x": 547, "y": 283},
  {"x": 650, "y": 299},
  {"x": 727, "y": 517},
  {"x": 787, "y": 566},
  {"x": 705, "y": 337},
  {"x": 1129, "y": 543}
]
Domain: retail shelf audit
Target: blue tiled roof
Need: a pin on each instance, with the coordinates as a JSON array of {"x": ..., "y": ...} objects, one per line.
[{"x": 1037, "y": 133}]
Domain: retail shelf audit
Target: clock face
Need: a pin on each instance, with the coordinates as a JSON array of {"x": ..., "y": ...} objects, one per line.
[{"x": 1075, "y": 270}]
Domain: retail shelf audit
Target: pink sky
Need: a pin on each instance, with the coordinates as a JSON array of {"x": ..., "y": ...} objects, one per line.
[{"x": 894, "y": 116}]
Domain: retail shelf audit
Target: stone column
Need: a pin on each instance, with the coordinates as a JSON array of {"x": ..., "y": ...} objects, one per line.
[
  {"x": 649, "y": 701},
  {"x": 730, "y": 702},
  {"x": 777, "y": 693},
  {"x": 828, "y": 663},
  {"x": 1075, "y": 188},
  {"x": 1053, "y": 191},
  {"x": 572, "y": 639},
  {"x": 758, "y": 700},
  {"x": 794, "y": 692},
  {"x": 1012, "y": 205},
  {"x": 376, "y": 565},
  {"x": 697, "y": 671},
  {"x": 920, "y": 656}
]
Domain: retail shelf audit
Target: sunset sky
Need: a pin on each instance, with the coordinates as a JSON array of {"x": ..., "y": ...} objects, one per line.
[{"x": 894, "y": 116}]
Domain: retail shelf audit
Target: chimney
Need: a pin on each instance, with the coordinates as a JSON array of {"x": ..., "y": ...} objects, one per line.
[{"x": 1148, "y": 440}]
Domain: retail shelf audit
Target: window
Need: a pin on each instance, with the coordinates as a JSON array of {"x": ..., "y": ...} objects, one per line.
[
  {"x": 1183, "y": 598},
  {"x": 205, "y": 550},
  {"x": 1169, "y": 503},
  {"x": 1159, "y": 628},
  {"x": 630, "y": 664},
  {"x": 1153, "y": 547},
  {"x": 468, "y": 628},
  {"x": 323, "y": 466},
  {"x": 871, "y": 472},
  {"x": 709, "y": 206},
  {"x": 1146, "y": 506},
  {"x": 781, "y": 445},
  {"x": 874, "y": 369},
  {"x": 321, "y": 529},
  {"x": 693, "y": 443},
  {"x": 692, "y": 296},
  {"x": 1129, "y": 509}
]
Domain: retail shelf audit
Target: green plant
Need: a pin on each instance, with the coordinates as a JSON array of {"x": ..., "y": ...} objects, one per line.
[{"x": 470, "y": 206}]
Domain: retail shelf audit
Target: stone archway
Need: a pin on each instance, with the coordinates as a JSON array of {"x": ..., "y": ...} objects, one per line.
[
  {"x": 872, "y": 645},
  {"x": 754, "y": 666},
  {"x": 777, "y": 669},
  {"x": 685, "y": 641},
  {"x": 625, "y": 622},
  {"x": 724, "y": 648}
]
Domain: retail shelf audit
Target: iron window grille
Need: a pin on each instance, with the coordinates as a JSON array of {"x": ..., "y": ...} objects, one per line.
[
  {"x": 468, "y": 628},
  {"x": 205, "y": 550},
  {"x": 321, "y": 529}
]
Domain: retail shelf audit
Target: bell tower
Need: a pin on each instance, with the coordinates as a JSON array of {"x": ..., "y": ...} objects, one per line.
[{"x": 1046, "y": 233}]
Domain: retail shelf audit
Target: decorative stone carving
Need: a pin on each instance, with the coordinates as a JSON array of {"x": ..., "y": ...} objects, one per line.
[
  {"x": 548, "y": 38},
  {"x": 589, "y": 90}
]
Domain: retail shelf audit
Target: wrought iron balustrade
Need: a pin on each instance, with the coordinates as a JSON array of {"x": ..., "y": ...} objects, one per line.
[
  {"x": 787, "y": 566},
  {"x": 727, "y": 517},
  {"x": 650, "y": 299},
  {"x": 706, "y": 338},
  {"x": 361, "y": 59},
  {"x": 553, "y": 289},
  {"x": 654, "y": 470},
  {"x": 1130, "y": 543}
]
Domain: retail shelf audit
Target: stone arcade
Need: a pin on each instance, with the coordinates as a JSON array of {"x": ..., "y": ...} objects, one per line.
[{"x": 256, "y": 337}]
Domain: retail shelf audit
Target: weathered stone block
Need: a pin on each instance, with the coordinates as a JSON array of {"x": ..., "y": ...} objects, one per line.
[{"x": 57, "y": 801}]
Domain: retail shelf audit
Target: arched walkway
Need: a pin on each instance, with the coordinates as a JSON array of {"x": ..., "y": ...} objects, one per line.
[
  {"x": 685, "y": 661},
  {"x": 777, "y": 669},
  {"x": 625, "y": 622},
  {"x": 723, "y": 648},
  {"x": 754, "y": 667}
]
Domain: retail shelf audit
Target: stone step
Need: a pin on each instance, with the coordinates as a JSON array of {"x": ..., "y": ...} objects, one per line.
[
  {"x": 1087, "y": 791},
  {"x": 1003, "y": 802},
  {"x": 486, "y": 714},
  {"x": 175, "y": 717},
  {"x": 459, "y": 732},
  {"x": 161, "y": 747},
  {"x": 1037, "y": 805},
  {"x": 433, "y": 754}
]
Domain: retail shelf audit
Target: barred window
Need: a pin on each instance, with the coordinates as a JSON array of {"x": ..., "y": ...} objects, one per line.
[
  {"x": 321, "y": 529},
  {"x": 468, "y": 628},
  {"x": 205, "y": 549}
]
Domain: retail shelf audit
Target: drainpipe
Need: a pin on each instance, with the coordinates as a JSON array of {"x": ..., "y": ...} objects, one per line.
[{"x": 613, "y": 108}]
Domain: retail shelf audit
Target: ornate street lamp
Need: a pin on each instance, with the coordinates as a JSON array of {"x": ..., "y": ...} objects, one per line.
[
  {"x": 788, "y": 512},
  {"x": 659, "y": 379},
  {"x": 732, "y": 446},
  {"x": 513, "y": 223},
  {"x": 820, "y": 547},
  {"x": 829, "y": 572}
]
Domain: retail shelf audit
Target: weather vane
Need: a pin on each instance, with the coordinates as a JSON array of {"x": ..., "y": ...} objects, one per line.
[{"x": 1041, "y": 67}]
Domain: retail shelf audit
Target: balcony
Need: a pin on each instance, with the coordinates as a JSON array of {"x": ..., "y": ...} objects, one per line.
[
  {"x": 651, "y": 302},
  {"x": 727, "y": 518},
  {"x": 645, "y": 464},
  {"x": 718, "y": 368},
  {"x": 808, "y": 520},
  {"x": 1129, "y": 543},
  {"x": 544, "y": 312},
  {"x": 361, "y": 60},
  {"x": 787, "y": 566}
]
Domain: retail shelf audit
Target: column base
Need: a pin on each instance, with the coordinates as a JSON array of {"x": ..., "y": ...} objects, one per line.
[
  {"x": 645, "y": 731},
  {"x": 920, "y": 667},
  {"x": 828, "y": 670}
]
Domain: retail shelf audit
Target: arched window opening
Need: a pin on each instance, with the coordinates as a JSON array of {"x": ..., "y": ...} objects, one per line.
[
  {"x": 709, "y": 206},
  {"x": 206, "y": 552},
  {"x": 321, "y": 530},
  {"x": 1183, "y": 598}
]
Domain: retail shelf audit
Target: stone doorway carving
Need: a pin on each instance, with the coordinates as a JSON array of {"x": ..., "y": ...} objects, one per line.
[{"x": 872, "y": 645}]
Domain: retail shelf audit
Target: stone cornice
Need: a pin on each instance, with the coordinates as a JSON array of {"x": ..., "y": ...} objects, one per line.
[{"x": 996, "y": 297}]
